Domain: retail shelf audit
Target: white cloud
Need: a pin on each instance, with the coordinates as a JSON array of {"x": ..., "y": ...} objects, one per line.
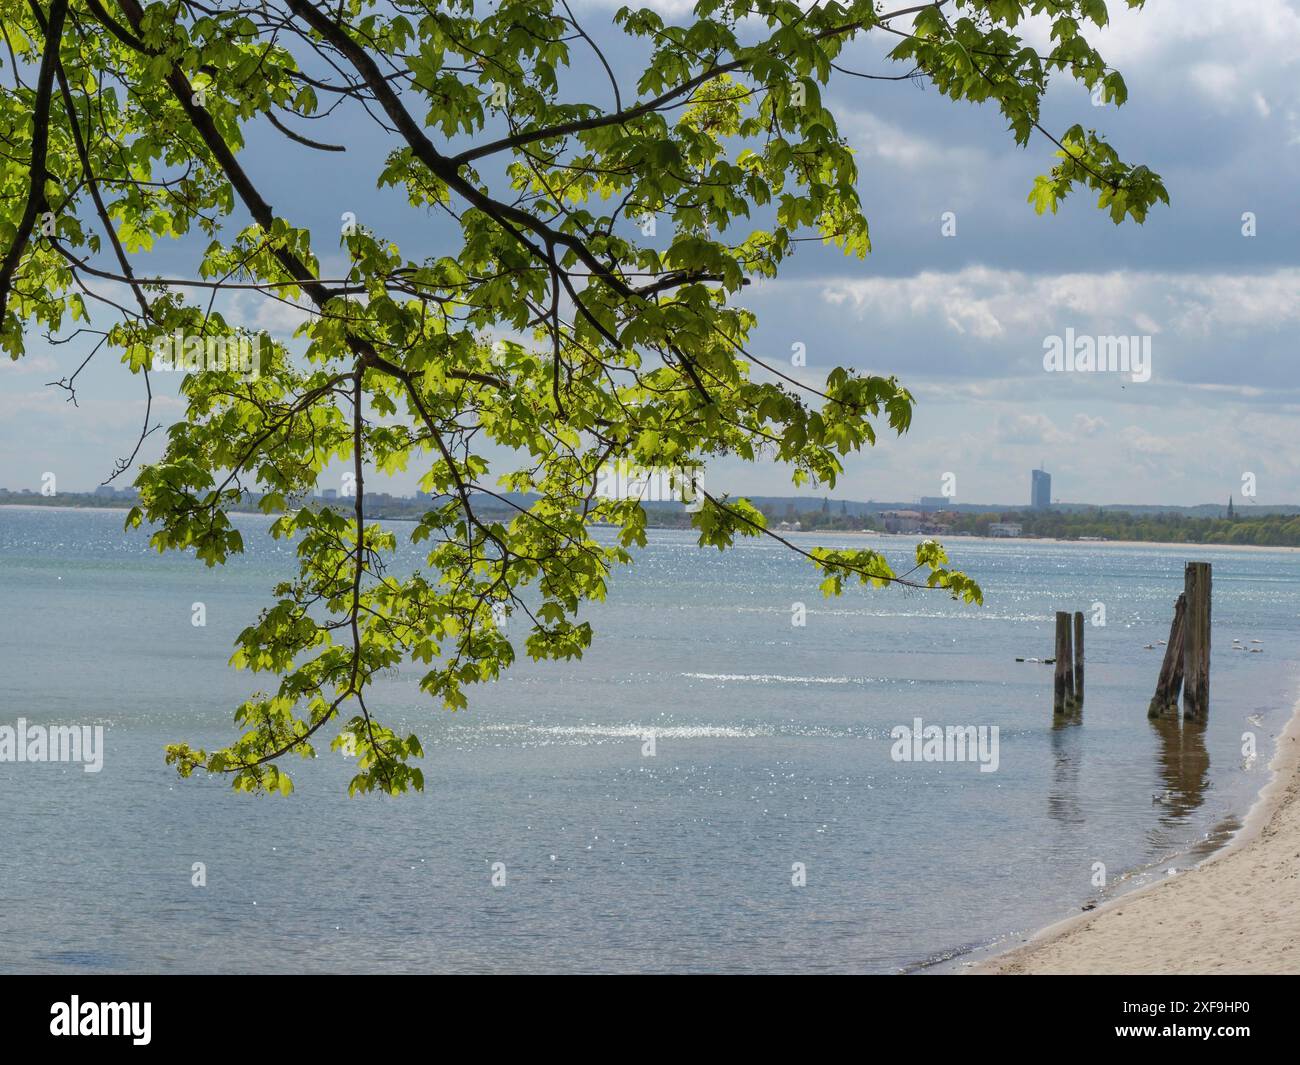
[
  {"x": 278, "y": 317},
  {"x": 1216, "y": 81},
  {"x": 1147, "y": 451},
  {"x": 989, "y": 303},
  {"x": 29, "y": 365},
  {"x": 1266, "y": 30},
  {"x": 1086, "y": 425},
  {"x": 875, "y": 138},
  {"x": 1028, "y": 429}
]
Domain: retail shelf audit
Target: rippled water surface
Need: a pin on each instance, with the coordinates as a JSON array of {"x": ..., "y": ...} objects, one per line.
[{"x": 772, "y": 748}]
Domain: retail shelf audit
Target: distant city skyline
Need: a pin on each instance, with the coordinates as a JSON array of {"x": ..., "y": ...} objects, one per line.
[{"x": 811, "y": 501}]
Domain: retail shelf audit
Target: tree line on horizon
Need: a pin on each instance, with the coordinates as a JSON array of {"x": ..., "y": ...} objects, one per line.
[{"x": 1270, "y": 530}]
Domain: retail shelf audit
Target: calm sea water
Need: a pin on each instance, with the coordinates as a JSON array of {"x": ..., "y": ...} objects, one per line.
[{"x": 772, "y": 748}]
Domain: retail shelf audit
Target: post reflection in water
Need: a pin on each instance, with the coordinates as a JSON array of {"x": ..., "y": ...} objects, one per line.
[
  {"x": 1184, "y": 766},
  {"x": 1063, "y": 805},
  {"x": 1183, "y": 762}
]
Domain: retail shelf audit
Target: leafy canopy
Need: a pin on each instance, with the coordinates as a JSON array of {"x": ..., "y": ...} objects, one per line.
[{"x": 551, "y": 328}]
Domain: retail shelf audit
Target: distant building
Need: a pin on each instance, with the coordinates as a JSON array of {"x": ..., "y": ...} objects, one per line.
[
  {"x": 934, "y": 503},
  {"x": 1040, "y": 489},
  {"x": 1230, "y": 513},
  {"x": 902, "y": 521},
  {"x": 330, "y": 493},
  {"x": 106, "y": 491},
  {"x": 1004, "y": 528}
]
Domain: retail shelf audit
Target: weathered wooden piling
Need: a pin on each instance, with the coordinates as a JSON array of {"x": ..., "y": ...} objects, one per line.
[
  {"x": 1171, "y": 670},
  {"x": 1069, "y": 661},
  {"x": 1078, "y": 658},
  {"x": 1063, "y": 688},
  {"x": 1196, "y": 642}
]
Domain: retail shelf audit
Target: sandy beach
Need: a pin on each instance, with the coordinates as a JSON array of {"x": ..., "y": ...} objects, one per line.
[{"x": 1236, "y": 912}]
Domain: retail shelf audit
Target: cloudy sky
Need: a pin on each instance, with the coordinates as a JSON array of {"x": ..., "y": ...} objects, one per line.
[{"x": 1214, "y": 107}]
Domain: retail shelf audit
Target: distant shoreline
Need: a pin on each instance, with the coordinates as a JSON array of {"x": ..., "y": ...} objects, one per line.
[
  {"x": 951, "y": 541},
  {"x": 947, "y": 541},
  {"x": 1124, "y": 543}
]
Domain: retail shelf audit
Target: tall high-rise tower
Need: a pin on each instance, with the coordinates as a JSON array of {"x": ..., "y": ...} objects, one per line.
[{"x": 1040, "y": 489}]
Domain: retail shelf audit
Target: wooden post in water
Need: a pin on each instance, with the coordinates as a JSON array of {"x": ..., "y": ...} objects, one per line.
[
  {"x": 1078, "y": 659},
  {"x": 1069, "y": 664},
  {"x": 1061, "y": 688},
  {"x": 1171, "y": 671},
  {"x": 1196, "y": 643}
]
